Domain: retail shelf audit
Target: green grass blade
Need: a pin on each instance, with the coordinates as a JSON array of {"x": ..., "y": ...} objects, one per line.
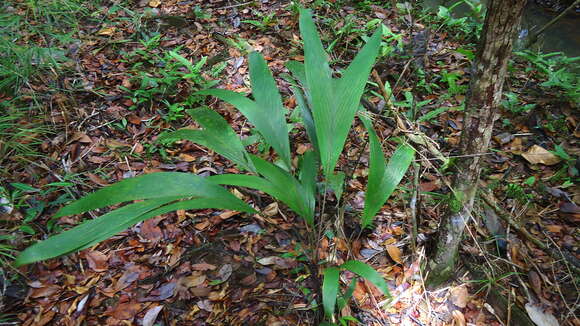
[
  {"x": 330, "y": 290},
  {"x": 217, "y": 135},
  {"x": 367, "y": 272},
  {"x": 268, "y": 99},
  {"x": 383, "y": 179},
  {"x": 151, "y": 186}
]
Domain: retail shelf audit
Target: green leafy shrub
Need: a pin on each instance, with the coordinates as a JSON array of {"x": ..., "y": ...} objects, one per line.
[
  {"x": 328, "y": 106},
  {"x": 559, "y": 71}
]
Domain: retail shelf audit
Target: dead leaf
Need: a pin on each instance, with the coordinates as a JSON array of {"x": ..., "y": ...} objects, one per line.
[
  {"x": 81, "y": 137},
  {"x": 46, "y": 318},
  {"x": 107, "y": 31},
  {"x": 193, "y": 280},
  {"x": 225, "y": 272},
  {"x": 459, "y": 318},
  {"x": 154, "y": 3},
  {"x": 538, "y": 155},
  {"x": 539, "y": 317},
  {"x": 459, "y": 296},
  {"x": 97, "y": 261},
  {"x": 200, "y": 291},
  {"x": 275, "y": 260},
  {"x": 205, "y": 305},
  {"x": 126, "y": 310},
  {"x": 203, "y": 267},
  {"x": 151, "y": 316},
  {"x": 536, "y": 282},
  {"x": 395, "y": 253},
  {"x": 98, "y": 180}
]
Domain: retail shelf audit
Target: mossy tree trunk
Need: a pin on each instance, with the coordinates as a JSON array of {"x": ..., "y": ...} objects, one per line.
[{"x": 481, "y": 110}]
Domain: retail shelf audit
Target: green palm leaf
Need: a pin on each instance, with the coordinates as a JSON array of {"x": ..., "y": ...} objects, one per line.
[
  {"x": 333, "y": 102},
  {"x": 217, "y": 135},
  {"x": 383, "y": 179}
]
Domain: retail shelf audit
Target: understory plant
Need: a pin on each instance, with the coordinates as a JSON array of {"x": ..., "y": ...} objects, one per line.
[{"x": 328, "y": 106}]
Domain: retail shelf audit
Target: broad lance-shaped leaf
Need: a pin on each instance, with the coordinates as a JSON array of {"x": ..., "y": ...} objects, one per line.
[
  {"x": 266, "y": 113},
  {"x": 334, "y": 102},
  {"x": 278, "y": 183},
  {"x": 383, "y": 179},
  {"x": 94, "y": 231},
  {"x": 330, "y": 290},
  {"x": 266, "y": 95},
  {"x": 367, "y": 272},
  {"x": 150, "y": 186},
  {"x": 217, "y": 135}
]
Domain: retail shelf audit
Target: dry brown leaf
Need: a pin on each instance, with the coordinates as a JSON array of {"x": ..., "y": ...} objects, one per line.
[
  {"x": 107, "y": 31},
  {"x": 539, "y": 317},
  {"x": 459, "y": 318},
  {"x": 459, "y": 296},
  {"x": 98, "y": 180},
  {"x": 126, "y": 311},
  {"x": 395, "y": 253},
  {"x": 154, "y": 3},
  {"x": 98, "y": 261},
  {"x": 538, "y": 155},
  {"x": 151, "y": 316},
  {"x": 193, "y": 280},
  {"x": 203, "y": 267}
]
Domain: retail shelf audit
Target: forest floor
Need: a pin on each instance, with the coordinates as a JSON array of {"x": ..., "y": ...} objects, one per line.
[{"x": 112, "y": 86}]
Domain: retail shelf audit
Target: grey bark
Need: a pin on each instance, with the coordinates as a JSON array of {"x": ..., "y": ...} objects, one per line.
[{"x": 481, "y": 110}]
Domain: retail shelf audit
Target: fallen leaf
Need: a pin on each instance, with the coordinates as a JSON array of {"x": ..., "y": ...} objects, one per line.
[
  {"x": 154, "y": 3},
  {"x": 459, "y": 296},
  {"x": 151, "y": 316},
  {"x": 46, "y": 318},
  {"x": 46, "y": 291},
  {"x": 97, "y": 261},
  {"x": 126, "y": 279},
  {"x": 126, "y": 310},
  {"x": 203, "y": 267},
  {"x": 200, "y": 291},
  {"x": 538, "y": 155},
  {"x": 536, "y": 282},
  {"x": 193, "y": 280},
  {"x": 539, "y": 317},
  {"x": 459, "y": 318},
  {"x": 205, "y": 305},
  {"x": 81, "y": 137},
  {"x": 98, "y": 180},
  {"x": 107, "y": 31},
  {"x": 225, "y": 272},
  {"x": 395, "y": 253},
  {"x": 275, "y": 260}
]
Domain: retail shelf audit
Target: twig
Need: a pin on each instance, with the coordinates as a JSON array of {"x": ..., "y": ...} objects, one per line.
[
  {"x": 414, "y": 206},
  {"x": 235, "y": 6},
  {"x": 573, "y": 261},
  {"x": 534, "y": 38}
]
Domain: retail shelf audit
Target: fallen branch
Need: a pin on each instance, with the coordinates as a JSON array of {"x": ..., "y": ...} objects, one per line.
[
  {"x": 574, "y": 263},
  {"x": 534, "y": 38}
]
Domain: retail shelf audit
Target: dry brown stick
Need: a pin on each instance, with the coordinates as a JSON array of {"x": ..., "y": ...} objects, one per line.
[
  {"x": 568, "y": 257},
  {"x": 414, "y": 205}
]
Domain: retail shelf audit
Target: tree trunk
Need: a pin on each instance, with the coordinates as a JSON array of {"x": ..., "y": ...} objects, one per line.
[{"x": 481, "y": 110}]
